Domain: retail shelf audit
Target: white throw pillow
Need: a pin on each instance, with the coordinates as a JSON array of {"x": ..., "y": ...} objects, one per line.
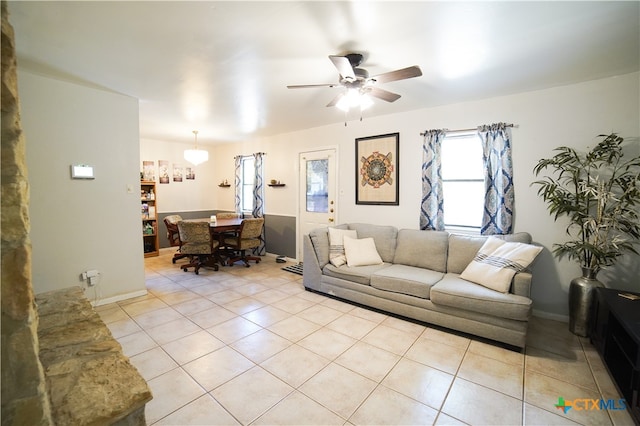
[
  {"x": 361, "y": 252},
  {"x": 336, "y": 245},
  {"x": 497, "y": 262}
]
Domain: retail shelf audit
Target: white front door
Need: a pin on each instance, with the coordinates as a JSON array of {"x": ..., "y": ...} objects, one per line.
[{"x": 318, "y": 204}]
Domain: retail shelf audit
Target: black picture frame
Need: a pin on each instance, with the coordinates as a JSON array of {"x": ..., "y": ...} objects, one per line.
[{"x": 377, "y": 170}]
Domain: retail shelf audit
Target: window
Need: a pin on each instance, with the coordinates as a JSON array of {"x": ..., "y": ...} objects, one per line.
[
  {"x": 247, "y": 176},
  {"x": 462, "y": 181}
]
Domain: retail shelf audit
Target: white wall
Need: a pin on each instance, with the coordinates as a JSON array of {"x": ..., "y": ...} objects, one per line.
[
  {"x": 188, "y": 195},
  {"x": 82, "y": 224}
]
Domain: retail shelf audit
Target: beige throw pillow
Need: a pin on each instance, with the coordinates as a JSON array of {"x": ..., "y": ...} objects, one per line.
[
  {"x": 497, "y": 262},
  {"x": 361, "y": 252},
  {"x": 336, "y": 245}
]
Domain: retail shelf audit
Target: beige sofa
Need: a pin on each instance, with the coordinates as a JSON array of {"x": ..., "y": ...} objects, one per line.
[{"x": 420, "y": 279}]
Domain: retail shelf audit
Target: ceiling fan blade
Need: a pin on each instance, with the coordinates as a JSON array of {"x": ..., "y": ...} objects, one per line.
[
  {"x": 343, "y": 65},
  {"x": 307, "y": 86},
  {"x": 385, "y": 95},
  {"x": 402, "y": 74},
  {"x": 335, "y": 100}
]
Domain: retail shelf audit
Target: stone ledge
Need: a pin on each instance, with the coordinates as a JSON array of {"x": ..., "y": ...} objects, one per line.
[{"x": 89, "y": 380}]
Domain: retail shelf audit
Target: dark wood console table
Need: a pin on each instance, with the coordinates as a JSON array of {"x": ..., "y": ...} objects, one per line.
[{"x": 615, "y": 333}]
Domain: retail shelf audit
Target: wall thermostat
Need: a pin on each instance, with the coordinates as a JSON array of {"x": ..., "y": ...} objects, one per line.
[{"x": 82, "y": 171}]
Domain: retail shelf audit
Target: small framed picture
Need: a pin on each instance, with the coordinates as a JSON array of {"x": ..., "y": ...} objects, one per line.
[{"x": 377, "y": 170}]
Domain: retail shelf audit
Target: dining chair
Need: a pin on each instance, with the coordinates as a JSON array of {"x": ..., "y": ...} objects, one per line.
[
  {"x": 173, "y": 234},
  {"x": 198, "y": 244},
  {"x": 220, "y": 236},
  {"x": 249, "y": 237},
  {"x": 228, "y": 215}
]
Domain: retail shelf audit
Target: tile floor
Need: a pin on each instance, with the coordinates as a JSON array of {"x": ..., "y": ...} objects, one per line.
[{"x": 251, "y": 346}]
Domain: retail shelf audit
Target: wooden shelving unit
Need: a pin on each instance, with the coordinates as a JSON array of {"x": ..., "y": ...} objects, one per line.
[{"x": 149, "y": 217}]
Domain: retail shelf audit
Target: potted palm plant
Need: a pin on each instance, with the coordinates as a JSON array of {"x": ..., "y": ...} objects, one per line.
[{"x": 599, "y": 193}]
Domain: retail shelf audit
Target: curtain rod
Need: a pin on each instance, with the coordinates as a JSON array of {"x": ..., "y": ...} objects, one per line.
[
  {"x": 249, "y": 155},
  {"x": 469, "y": 130}
]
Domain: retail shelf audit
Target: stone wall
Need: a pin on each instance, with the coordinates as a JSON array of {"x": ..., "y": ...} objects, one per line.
[{"x": 24, "y": 399}]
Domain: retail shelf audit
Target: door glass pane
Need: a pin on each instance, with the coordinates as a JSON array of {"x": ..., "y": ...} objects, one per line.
[{"x": 317, "y": 180}]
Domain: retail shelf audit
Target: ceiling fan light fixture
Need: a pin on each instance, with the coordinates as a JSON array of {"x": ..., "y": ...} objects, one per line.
[
  {"x": 365, "y": 102},
  {"x": 196, "y": 156},
  {"x": 354, "y": 98}
]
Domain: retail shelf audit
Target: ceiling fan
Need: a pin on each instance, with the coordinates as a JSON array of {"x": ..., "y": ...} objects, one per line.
[{"x": 357, "y": 80}]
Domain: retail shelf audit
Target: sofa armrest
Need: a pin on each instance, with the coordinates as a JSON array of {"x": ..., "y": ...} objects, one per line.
[
  {"x": 521, "y": 284},
  {"x": 311, "y": 271}
]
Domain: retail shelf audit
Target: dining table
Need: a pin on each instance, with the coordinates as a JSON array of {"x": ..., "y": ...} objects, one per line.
[{"x": 219, "y": 229}]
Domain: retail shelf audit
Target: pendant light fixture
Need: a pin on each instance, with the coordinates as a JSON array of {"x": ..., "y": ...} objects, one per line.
[{"x": 196, "y": 156}]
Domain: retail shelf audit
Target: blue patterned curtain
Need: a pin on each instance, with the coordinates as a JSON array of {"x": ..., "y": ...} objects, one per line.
[
  {"x": 497, "y": 218},
  {"x": 238, "y": 182},
  {"x": 431, "y": 209},
  {"x": 258, "y": 199}
]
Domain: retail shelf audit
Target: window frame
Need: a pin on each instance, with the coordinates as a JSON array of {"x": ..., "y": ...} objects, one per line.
[
  {"x": 464, "y": 227},
  {"x": 243, "y": 164}
]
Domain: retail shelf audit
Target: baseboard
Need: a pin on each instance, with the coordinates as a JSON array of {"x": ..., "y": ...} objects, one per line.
[
  {"x": 548, "y": 315},
  {"x": 118, "y": 298},
  {"x": 288, "y": 259}
]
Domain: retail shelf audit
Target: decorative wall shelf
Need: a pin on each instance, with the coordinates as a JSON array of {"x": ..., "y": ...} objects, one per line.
[
  {"x": 222, "y": 185},
  {"x": 276, "y": 184}
]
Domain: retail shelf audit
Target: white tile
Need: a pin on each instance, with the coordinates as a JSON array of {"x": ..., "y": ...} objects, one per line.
[
  {"x": 387, "y": 407},
  {"x": 368, "y": 361},
  {"x": 475, "y": 404},
  {"x": 251, "y": 394},
  {"x": 294, "y": 365},
  {"x": 420, "y": 382},
  {"x": 218, "y": 367},
  {"x": 266, "y": 316},
  {"x": 192, "y": 347},
  {"x": 203, "y": 411},
  {"x": 234, "y": 329},
  {"x": 133, "y": 344},
  {"x": 153, "y": 363},
  {"x": 298, "y": 409},
  {"x": 171, "y": 391},
  {"x": 261, "y": 345},
  {"x": 339, "y": 389},
  {"x": 172, "y": 330}
]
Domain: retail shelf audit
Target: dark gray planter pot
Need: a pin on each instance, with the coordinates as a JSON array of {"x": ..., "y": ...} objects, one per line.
[{"x": 581, "y": 295}]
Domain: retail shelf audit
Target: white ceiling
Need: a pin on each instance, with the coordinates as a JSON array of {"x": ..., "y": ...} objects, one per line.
[{"x": 223, "y": 67}]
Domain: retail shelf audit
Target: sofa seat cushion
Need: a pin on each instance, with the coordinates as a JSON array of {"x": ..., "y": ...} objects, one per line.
[
  {"x": 358, "y": 274},
  {"x": 406, "y": 280},
  {"x": 455, "y": 292}
]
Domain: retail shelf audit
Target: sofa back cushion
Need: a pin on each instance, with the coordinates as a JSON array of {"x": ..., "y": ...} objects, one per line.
[
  {"x": 463, "y": 248},
  {"x": 384, "y": 236},
  {"x": 423, "y": 249},
  {"x": 320, "y": 239}
]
